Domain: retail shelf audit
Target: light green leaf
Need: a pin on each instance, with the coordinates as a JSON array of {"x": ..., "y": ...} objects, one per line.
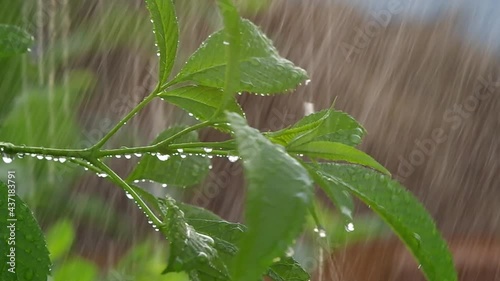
[
  {"x": 406, "y": 216},
  {"x": 175, "y": 170},
  {"x": 279, "y": 196},
  {"x": 338, "y": 152},
  {"x": 201, "y": 101},
  {"x": 326, "y": 125},
  {"x": 166, "y": 32},
  {"x": 60, "y": 237},
  {"x": 262, "y": 69},
  {"x": 76, "y": 269},
  {"x": 24, "y": 252},
  {"x": 14, "y": 40},
  {"x": 287, "y": 269},
  {"x": 190, "y": 251}
]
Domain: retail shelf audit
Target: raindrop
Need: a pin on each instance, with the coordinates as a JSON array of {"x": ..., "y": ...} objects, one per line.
[
  {"x": 210, "y": 167},
  {"x": 7, "y": 159},
  {"x": 289, "y": 252},
  {"x": 164, "y": 185},
  {"x": 20, "y": 155},
  {"x": 29, "y": 50},
  {"x": 102, "y": 175},
  {"x": 419, "y": 266},
  {"x": 39, "y": 157},
  {"x": 48, "y": 157},
  {"x": 180, "y": 150},
  {"x": 158, "y": 54},
  {"x": 127, "y": 156},
  {"x": 210, "y": 156},
  {"x": 208, "y": 150},
  {"x": 162, "y": 157},
  {"x": 137, "y": 181},
  {"x": 321, "y": 232},
  {"x": 183, "y": 156},
  {"x": 118, "y": 156},
  {"x": 190, "y": 114},
  {"x": 138, "y": 154},
  {"x": 62, "y": 159},
  {"x": 225, "y": 43},
  {"x": 349, "y": 227},
  {"x": 85, "y": 168},
  {"x": 129, "y": 196},
  {"x": 232, "y": 158},
  {"x": 308, "y": 81},
  {"x": 276, "y": 259},
  {"x": 203, "y": 255}
]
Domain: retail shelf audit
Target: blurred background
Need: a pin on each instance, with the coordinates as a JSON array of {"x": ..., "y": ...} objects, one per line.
[{"x": 421, "y": 76}]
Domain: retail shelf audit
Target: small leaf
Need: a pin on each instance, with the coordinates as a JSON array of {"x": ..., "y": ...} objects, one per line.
[
  {"x": 338, "y": 152},
  {"x": 279, "y": 196},
  {"x": 14, "y": 40},
  {"x": 24, "y": 254},
  {"x": 190, "y": 251},
  {"x": 166, "y": 32},
  {"x": 406, "y": 216},
  {"x": 262, "y": 69},
  {"x": 60, "y": 238},
  {"x": 327, "y": 125},
  {"x": 177, "y": 170},
  {"x": 287, "y": 269},
  {"x": 201, "y": 101}
]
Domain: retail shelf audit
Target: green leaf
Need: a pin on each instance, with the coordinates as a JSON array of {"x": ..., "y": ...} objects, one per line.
[
  {"x": 326, "y": 125},
  {"x": 20, "y": 235},
  {"x": 14, "y": 40},
  {"x": 175, "y": 170},
  {"x": 279, "y": 196},
  {"x": 287, "y": 269},
  {"x": 76, "y": 269},
  {"x": 406, "y": 216},
  {"x": 190, "y": 251},
  {"x": 166, "y": 32},
  {"x": 201, "y": 101},
  {"x": 336, "y": 192},
  {"x": 338, "y": 152},
  {"x": 60, "y": 238},
  {"x": 224, "y": 233},
  {"x": 262, "y": 69}
]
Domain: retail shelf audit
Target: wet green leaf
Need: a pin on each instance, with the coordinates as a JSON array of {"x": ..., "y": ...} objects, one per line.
[
  {"x": 338, "y": 152},
  {"x": 402, "y": 211},
  {"x": 287, "y": 269},
  {"x": 190, "y": 251},
  {"x": 262, "y": 69},
  {"x": 20, "y": 232},
  {"x": 326, "y": 125},
  {"x": 14, "y": 40},
  {"x": 166, "y": 32},
  {"x": 278, "y": 197},
  {"x": 177, "y": 170},
  {"x": 201, "y": 101}
]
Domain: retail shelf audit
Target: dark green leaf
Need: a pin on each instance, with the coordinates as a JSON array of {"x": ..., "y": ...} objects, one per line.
[
  {"x": 166, "y": 32},
  {"x": 287, "y": 269},
  {"x": 20, "y": 232},
  {"x": 190, "y": 251},
  {"x": 406, "y": 216},
  {"x": 327, "y": 125},
  {"x": 262, "y": 69},
  {"x": 175, "y": 170},
  {"x": 201, "y": 101},
  {"x": 338, "y": 152},
  {"x": 279, "y": 196},
  {"x": 225, "y": 234},
  {"x": 336, "y": 192},
  {"x": 14, "y": 40}
]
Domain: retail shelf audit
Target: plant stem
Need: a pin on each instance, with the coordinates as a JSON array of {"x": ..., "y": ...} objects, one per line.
[
  {"x": 125, "y": 119},
  {"x": 13, "y": 149},
  {"x": 121, "y": 183}
]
